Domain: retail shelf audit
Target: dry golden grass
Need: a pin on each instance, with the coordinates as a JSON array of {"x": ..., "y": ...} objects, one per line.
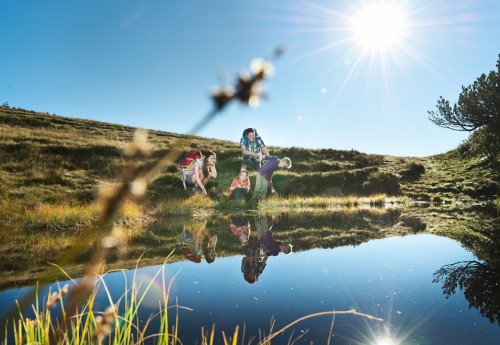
[{"x": 308, "y": 204}]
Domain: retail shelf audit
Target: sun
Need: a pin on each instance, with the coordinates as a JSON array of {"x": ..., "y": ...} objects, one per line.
[{"x": 378, "y": 26}]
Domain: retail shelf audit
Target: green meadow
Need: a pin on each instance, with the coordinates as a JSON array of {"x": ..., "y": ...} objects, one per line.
[
  {"x": 47, "y": 161},
  {"x": 57, "y": 175}
]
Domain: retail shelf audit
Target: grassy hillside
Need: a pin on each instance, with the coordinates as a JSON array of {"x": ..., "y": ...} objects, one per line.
[
  {"x": 52, "y": 169},
  {"x": 52, "y": 159}
]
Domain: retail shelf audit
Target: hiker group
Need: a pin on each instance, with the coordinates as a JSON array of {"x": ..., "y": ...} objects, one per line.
[{"x": 198, "y": 168}]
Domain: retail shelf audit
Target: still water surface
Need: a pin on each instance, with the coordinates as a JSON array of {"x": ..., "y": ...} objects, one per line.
[{"x": 389, "y": 278}]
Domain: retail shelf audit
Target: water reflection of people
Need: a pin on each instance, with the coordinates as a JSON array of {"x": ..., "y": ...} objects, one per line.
[
  {"x": 260, "y": 247},
  {"x": 263, "y": 223},
  {"x": 254, "y": 261},
  {"x": 240, "y": 227},
  {"x": 273, "y": 247},
  {"x": 263, "y": 228},
  {"x": 196, "y": 242}
]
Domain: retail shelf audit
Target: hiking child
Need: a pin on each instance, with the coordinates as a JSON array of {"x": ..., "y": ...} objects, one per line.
[
  {"x": 253, "y": 148},
  {"x": 265, "y": 175},
  {"x": 200, "y": 172},
  {"x": 240, "y": 186}
]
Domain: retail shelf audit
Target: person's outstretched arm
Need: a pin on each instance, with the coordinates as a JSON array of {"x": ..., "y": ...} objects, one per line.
[{"x": 265, "y": 152}]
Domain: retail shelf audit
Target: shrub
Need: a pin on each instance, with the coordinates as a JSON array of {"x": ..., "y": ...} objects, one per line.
[
  {"x": 413, "y": 171},
  {"x": 364, "y": 160},
  {"x": 382, "y": 183},
  {"x": 414, "y": 223},
  {"x": 437, "y": 200},
  {"x": 354, "y": 181},
  {"x": 297, "y": 154}
]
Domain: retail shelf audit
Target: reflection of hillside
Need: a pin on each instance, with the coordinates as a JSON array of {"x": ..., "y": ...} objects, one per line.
[
  {"x": 344, "y": 227},
  {"x": 479, "y": 280},
  {"x": 155, "y": 243},
  {"x": 335, "y": 229}
]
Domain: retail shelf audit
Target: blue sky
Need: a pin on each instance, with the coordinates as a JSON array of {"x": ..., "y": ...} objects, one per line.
[{"x": 152, "y": 64}]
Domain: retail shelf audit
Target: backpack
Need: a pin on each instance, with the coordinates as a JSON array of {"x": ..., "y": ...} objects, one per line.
[{"x": 187, "y": 163}]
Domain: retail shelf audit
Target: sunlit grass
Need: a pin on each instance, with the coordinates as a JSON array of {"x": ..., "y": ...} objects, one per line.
[
  {"x": 193, "y": 206},
  {"x": 74, "y": 218},
  {"x": 11, "y": 211},
  {"x": 42, "y": 243},
  {"x": 62, "y": 217},
  {"x": 329, "y": 203},
  {"x": 198, "y": 202}
]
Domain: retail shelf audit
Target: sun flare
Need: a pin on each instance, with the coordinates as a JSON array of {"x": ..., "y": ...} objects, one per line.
[{"x": 378, "y": 26}]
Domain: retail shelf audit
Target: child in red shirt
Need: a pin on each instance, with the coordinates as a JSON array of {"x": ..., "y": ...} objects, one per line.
[{"x": 240, "y": 186}]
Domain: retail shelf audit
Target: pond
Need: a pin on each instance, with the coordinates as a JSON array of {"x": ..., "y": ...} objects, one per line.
[{"x": 408, "y": 281}]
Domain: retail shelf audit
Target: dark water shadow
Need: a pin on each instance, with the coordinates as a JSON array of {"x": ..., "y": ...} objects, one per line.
[{"x": 478, "y": 280}]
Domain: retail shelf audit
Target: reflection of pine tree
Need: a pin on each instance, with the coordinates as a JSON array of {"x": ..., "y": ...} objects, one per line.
[
  {"x": 480, "y": 283},
  {"x": 479, "y": 280}
]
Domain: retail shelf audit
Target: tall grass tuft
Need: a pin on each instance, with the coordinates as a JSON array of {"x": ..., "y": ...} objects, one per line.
[
  {"x": 75, "y": 218},
  {"x": 61, "y": 217},
  {"x": 117, "y": 324}
]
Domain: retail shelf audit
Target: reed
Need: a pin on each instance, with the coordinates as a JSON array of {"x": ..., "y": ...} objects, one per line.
[{"x": 89, "y": 325}]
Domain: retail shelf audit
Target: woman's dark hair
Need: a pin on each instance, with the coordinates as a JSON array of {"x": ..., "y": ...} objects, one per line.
[{"x": 207, "y": 154}]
